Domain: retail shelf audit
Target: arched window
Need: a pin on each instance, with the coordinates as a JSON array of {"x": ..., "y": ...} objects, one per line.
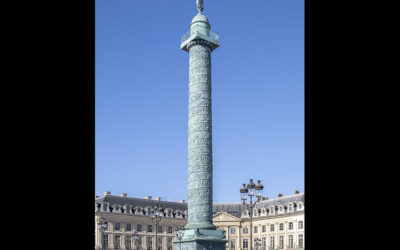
[
  {"x": 105, "y": 207},
  {"x": 127, "y": 209},
  {"x": 300, "y": 206}
]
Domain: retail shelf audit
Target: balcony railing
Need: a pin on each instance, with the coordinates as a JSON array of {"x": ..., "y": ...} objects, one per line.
[{"x": 213, "y": 36}]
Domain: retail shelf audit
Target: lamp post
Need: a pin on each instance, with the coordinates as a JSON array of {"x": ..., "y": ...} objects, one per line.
[
  {"x": 158, "y": 212},
  {"x": 102, "y": 226},
  {"x": 135, "y": 238},
  {"x": 249, "y": 191},
  {"x": 179, "y": 234}
]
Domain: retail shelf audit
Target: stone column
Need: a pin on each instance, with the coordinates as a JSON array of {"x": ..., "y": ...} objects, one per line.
[{"x": 200, "y": 232}]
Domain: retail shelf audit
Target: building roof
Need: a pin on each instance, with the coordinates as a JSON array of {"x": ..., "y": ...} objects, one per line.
[
  {"x": 236, "y": 208},
  {"x": 233, "y": 208},
  {"x": 112, "y": 199}
]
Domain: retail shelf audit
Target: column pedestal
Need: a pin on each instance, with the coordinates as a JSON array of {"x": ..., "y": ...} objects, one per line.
[{"x": 201, "y": 239}]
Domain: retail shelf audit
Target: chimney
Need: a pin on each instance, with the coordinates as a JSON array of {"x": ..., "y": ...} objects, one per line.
[
  {"x": 279, "y": 195},
  {"x": 181, "y": 201},
  {"x": 123, "y": 195},
  {"x": 107, "y": 193},
  {"x": 157, "y": 199},
  {"x": 296, "y": 192},
  {"x": 147, "y": 197}
]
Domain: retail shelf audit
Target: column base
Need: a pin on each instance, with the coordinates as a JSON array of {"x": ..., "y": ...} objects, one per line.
[{"x": 201, "y": 239}]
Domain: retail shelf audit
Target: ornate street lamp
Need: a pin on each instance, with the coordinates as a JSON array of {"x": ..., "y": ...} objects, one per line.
[
  {"x": 102, "y": 226},
  {"x": 250, "y": 191},
  {"x": 179, "y": 234},
  {"x": 135, "y": 238},
  {"x": 158, "y": 213}
]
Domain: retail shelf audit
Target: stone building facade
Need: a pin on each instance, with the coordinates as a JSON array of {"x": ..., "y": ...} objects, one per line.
[{"x": 278, "y": 223}]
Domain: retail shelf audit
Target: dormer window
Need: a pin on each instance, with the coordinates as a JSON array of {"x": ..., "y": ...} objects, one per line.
[
  {"x": 272, "y": 210},
  {"x": 128, "y": 210},
  {"x": 178, "y": 213},
  {"x": 290, "y": 207},
  {"x": 169, "y": 213},
  {"x": 263, "y": 211},
  {"x": 117, "y": 208},
  {"x": 300, "y": 206},
  {"x": 245, "y": 213},
  {"x": 281, "y": 209},
  {"x": 148, "y": 211},
  {"x": 139, "y": 210},
  {"x": 105, "y": 207},
  {"x": 255, "y": 212}
]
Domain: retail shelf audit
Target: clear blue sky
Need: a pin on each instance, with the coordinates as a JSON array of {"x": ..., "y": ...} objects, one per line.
[{"x": 142, "y": 96}]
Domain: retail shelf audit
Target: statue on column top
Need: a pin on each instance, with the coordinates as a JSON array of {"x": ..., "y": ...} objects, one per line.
[{"x": 199, "y": 4}]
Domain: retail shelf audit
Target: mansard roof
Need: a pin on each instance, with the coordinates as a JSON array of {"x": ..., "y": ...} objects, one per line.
[
  {"x": 112, "y": 199},
  {"x": 285, "y": 200},
  {"x": 236, "y": 208},
  {"x": 233, "y": 208}
]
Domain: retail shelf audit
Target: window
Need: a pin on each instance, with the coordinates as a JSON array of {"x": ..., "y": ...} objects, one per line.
[
  {"x": 149, "y": 243},
  {"x": 255, "y": 212},
  {"x": 264, "y": 229},
  {"x": 178, "y": 213},
  {"x": 148, "y": 211},
  {"x": 160, "y": 243},
  {"x": 169, "y": 230},
  {"x": 169, "y": 244},
  {"x": 245, "y": 243},
  {"x": 300, "y": 206},
  {"x": 300, "y": 224},
  {"x": 264, "y": 243},
  {"x": 128, "y": 227},
  {"x": 281, "y": 209},
  {"x": 117, "y": 226},
  {"x": 290, "y": 207},
  {"x": 116, "y": 208},
  {"x": 300, "y": 240},
  {"x": 272, "y": 227},
  {"x": 139, "y": 210},
  {"x": 159, "y": 229},
  {"x": 139, "y": 228},
  {"x": 233, "y": 244},
  {"x": 263, "y": 211},
  {"x": 290, "y": 225},
  {"x": 255, "y": 229},
  {"x": 290, "y": 241},
  {"x": 139, "y": 242},
  {"x": 128, "y": 242},
  {"x": 245, "y": 230},
  {"x": 105, "y": 240},
  {"x": 272, "y": 210},
  {"x": 280, "y": 226},
  {"x": 169, "y": 213},
  {"x": 149, "y": 228},
  {"x": 245, "y": 213},
  {"x": 233, "y": 230},
  {"x": 117, "y": 241},
  {"x": 105, "y": 206},
  {"x": 128, "y": 210},
  {"x": 281, "y": 242},
  {"x": 272, "y": 242}
]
